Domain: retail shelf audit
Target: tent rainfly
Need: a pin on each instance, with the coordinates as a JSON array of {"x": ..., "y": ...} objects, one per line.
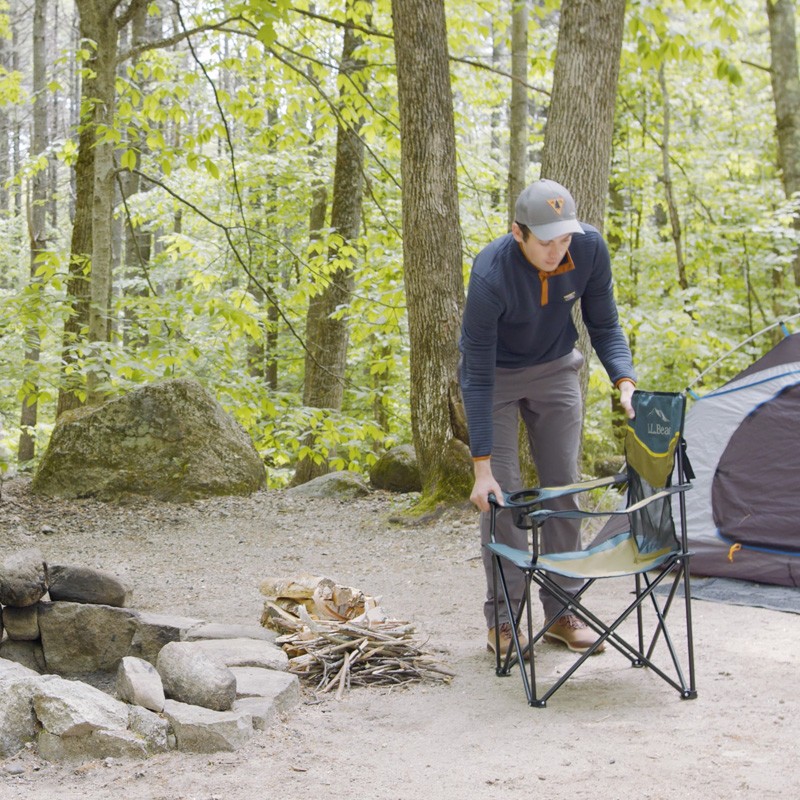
[{"x": 743, "y": 441}]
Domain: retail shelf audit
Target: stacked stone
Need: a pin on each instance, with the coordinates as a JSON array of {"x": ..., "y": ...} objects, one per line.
[{"x": 179, "y": 682}]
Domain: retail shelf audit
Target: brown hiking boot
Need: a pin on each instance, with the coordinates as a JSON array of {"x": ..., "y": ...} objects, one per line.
[
  {"x": 506, "y": 640},
  {"x": 574, "y": 633}
]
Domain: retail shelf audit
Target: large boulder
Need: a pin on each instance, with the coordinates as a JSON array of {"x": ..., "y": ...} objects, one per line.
[
  {"x": 169, "y": 440},
  {"x": 397, "y": 470}
]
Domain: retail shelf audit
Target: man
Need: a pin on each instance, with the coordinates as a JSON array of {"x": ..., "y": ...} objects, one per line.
[{"x": 518, "y": 359}]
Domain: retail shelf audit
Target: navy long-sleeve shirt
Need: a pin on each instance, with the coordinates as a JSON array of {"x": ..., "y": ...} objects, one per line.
[{"x": 517, "y": 316}]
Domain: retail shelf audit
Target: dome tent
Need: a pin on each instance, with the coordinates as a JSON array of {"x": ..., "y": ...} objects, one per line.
[{"x": 743, "y": 440}]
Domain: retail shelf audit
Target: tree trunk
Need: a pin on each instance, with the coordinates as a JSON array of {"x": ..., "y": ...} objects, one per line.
[
  {"x": 432, "y": 264},
  {"x": 518, "y": 131},
  {"x": 327, "y": 328},
  {"x": 89, "y": 287},
  {"x": 135, "y": 246},
  {"x": 672, "y": 206},
  {"x": 103, "y": 26},
  {"x": 5, "y": 134},
  {"x": 16, "y": 124},
  {"x": 38, "y": 238},
  {"x": 580, "y": 123},
  {"x": 72, "y": 391},
  {"x": 786, "y": 94}
]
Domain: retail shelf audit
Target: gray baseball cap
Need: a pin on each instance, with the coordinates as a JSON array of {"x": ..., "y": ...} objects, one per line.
[{"x": 548, "y": 209}]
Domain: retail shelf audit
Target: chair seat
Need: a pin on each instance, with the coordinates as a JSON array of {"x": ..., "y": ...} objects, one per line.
[{"x": 612, "y": 558}]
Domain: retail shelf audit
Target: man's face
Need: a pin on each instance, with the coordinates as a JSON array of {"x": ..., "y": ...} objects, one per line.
[{"x": 545, "y": 256}]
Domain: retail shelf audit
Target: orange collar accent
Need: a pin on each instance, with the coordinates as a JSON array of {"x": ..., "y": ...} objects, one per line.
[{"x": 565, "y": 266}]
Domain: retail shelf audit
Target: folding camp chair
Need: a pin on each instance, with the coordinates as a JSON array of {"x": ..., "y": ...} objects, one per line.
[{"x": 638, "y": 540}]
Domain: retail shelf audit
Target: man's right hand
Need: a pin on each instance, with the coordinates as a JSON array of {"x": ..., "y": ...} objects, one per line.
[{"x": 485, "y": 484}]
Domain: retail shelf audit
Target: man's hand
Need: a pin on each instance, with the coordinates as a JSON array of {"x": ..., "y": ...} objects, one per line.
[
  {"x": 485, "y": 484},
  {"x": 625, "y": 397}
]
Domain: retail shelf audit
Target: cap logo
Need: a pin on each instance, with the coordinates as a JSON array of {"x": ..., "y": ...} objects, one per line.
[{"x": 557, "y": 204}]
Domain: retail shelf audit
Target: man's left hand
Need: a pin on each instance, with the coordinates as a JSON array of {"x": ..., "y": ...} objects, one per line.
[{"x": 625, "y": 397}]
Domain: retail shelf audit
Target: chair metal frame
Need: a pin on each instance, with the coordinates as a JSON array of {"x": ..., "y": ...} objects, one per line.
[{"x": 526, "y": 505}]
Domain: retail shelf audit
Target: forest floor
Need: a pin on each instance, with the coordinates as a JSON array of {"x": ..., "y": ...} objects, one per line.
[{"x": 613, "y": 732}]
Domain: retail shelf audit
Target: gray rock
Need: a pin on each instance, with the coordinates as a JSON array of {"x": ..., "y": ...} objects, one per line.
[
  {"x": 151, "y": 727},
  {"x": 29, "y": 654},
  {"x": 72, "y": 708},
  {"x": 78, "y": 638},
  {"x": 18, "y": 723},
  {"x": 342, "y": 484},
  {"x": 201, "y": 730},
  {"x": 12, "y": 670},
  {"x": 216, "y": 630},
  {"x": 23, "y": 578},
  {"x": 98, "y": 744},
  {"x": 139, "y": 683},
  {"x": 153, "y": 631},
  {"x": 87, "y": 585},
  {"x": 169, "y": 440},
  {"x": 397, "y": 470},
  {"x": 263, "y": 711},
  {"x": 22, "y": 624},
  {"x": 192, "y": 678},
  {"x": 282, "y": 688},
  {"x": 242, "y": 653}
]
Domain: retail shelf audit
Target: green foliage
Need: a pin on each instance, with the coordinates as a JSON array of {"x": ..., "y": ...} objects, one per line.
[{"x": 234, "y": 138}]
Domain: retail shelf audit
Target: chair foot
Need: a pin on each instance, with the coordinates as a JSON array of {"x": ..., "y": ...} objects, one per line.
[
  {"x": 538, "y": 703},
  {"x": 689, "y": 694}
]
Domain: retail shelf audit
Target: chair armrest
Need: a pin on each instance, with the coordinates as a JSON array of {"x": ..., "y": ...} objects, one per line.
[
  {"x": 522, "y": 502},
  {"x": 525, "y": 498},
  {"x": 542, "y": 515}
]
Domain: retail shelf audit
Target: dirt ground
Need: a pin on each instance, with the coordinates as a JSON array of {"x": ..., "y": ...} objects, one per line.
[{"x": 613, "y": 732}]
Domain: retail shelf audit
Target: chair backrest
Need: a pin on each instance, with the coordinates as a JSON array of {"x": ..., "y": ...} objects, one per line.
[{"x": 651, "y": 444}]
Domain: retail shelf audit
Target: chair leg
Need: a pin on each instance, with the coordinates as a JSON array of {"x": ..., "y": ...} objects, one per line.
[
  {"x": 608, "y": 633},
  {"x": 688, "y": 688},
  {"x": 690, "y": 693},
  {"x": 514, "y": 652}
]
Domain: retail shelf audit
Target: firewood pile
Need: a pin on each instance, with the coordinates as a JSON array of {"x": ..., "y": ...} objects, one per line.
[{"x": 336, "y": 637}]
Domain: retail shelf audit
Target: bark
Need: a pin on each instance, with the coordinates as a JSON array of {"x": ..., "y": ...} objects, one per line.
[
  {"x": 497, "y": 120},
  {"x": 785, "y": 78},
  {"x": 666, "y": 178},
  {"x": 518, "y": 131},
  {"x": 580, "y": 123},
  {"x": 16, "y": 125},
  {"x": 91, "y": 248},
  {"x": 432, "y": 265},
  {"x": 5, "y": 133},
  {"x": 136, "y": 242},
  {"x": 327, "y": 329},
  {"x": 101, "y": 22},
  {"x": 37, "y": 232},
  {"x": 72, "y": 388}
]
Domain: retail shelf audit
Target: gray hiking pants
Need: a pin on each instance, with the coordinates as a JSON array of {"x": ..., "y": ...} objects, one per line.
[{"x": 548, "y": 398}]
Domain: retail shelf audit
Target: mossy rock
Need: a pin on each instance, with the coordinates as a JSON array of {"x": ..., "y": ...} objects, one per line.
[{"x": 169, "y": 440}]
